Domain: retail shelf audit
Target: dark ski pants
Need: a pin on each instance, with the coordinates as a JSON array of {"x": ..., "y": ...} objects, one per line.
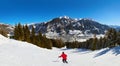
[{"x": 64, "y": 61}]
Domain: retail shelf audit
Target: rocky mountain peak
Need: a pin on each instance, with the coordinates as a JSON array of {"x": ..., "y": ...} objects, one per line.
[
  {"x": 64, "y": 17},
  {"x": 66, "y": 27}
]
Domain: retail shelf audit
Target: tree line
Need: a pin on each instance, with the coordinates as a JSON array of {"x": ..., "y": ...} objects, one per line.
[
  {"x": 111, "y": 39},
  {"x": 23, "y": 33}
]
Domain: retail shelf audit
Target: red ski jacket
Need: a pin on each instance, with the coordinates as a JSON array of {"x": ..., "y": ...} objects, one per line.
[{"x": 64, "y": 56}]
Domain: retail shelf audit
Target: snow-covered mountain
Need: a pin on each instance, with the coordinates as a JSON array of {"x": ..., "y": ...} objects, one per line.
[
  {"x": 17, "y": 53},
  {"x": 70, "y": 29},
  {"x": 115, "y": 26},
  {"x": 6, "y": 27}
]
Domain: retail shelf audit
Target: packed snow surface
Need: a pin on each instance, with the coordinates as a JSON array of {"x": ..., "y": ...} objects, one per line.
[{"x": 17, "y": 53}]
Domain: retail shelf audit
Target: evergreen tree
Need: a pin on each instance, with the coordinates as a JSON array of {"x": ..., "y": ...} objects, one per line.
[
  {"x": 46, "y": 43},
  {"x": 104, "y": 42},
  {"x": 26, "y": 33},
  {"x": 20, "y": 32},
  {"x": 118, "y": 38},
  {"x": 57, "y": 43},
  {"x": 87, "y": 44},
  {"x": 23, "y": 33},
  {"x": 39, "y": 38},
  {"x": 33, "y": 37},
  {"x": 100, "y": 43},
  {"x": 75, "y": 44},
  {"x": 94, "y": 46},
  {"x": 111, "y": 37},
  {"x": 90, "y": 41},
  {"x": 49, "y": 44},
  {"x": 16, "y": 32}
]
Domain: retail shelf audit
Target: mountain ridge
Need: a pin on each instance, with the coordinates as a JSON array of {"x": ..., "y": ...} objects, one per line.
[{"x": 62, "y": 27}]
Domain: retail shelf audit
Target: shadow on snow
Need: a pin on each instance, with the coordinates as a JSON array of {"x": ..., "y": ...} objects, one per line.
[
  {"x": 82, "y": 51},
  {"x": 115, "y": 51}
]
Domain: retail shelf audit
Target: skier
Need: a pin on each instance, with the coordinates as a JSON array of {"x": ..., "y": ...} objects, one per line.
[{"x": 64, "y": 57}]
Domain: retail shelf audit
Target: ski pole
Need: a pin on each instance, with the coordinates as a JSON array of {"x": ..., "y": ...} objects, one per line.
[{"x": 57, "y": 59}]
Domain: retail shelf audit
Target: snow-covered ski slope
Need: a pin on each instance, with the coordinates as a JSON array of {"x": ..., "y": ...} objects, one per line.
[{"x": 17, "y": 53}]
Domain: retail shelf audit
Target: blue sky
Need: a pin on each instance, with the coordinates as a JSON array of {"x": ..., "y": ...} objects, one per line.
[{"x": 30, "y": 11}]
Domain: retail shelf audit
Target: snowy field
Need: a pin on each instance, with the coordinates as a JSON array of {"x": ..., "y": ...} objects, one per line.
[{"x": 17, "y": 53}]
